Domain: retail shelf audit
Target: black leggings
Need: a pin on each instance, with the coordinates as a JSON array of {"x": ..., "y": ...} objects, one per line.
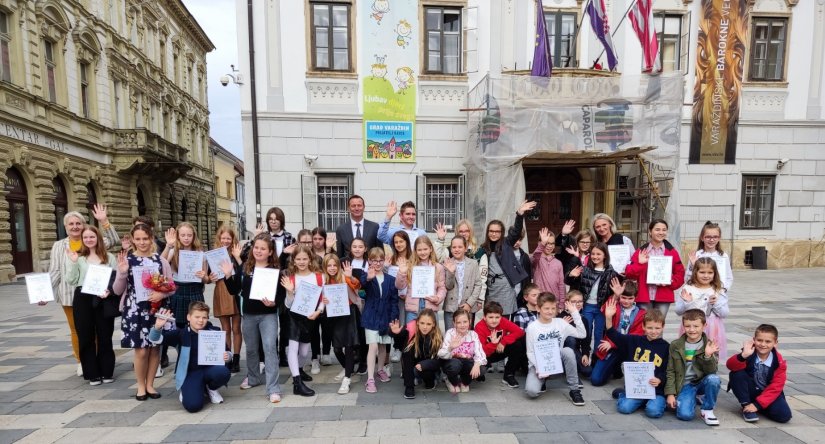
[
  {"x": 458, "y": 370},
  {"x": 321, "y": 342},
  {"x": 347, "y": 357},
  {"x": 429, "y": 367}
]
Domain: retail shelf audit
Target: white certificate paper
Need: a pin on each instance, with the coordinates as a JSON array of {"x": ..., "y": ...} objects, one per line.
[
  {"x": 189, "y": 263},
  {"x": 392, "y": 270},
  {"x": 264, "y": 283},
  {"x": 659, "y": 269},
  {"x": 141, "y": 292},
  {"x": 338, "y": 296},
  {"x": 619, "y": 257},
  {"x": 39, "y": 287},
  {"x": 637, "y": 376},
  {"x": 97, "y": 279},
  {"x": 423, "y": 281},
  {"x": 721, "y": 266},
  {"x": 215, "y": 258},
  {"x": 211, "y": 346},
  {"x": 548, "y": 357},
  {"x": 306, "y": 298}
]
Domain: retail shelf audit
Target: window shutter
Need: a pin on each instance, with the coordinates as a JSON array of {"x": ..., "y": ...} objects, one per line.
[
  {"x": 421, "y": 199},
  {"x": 309, "y": 201},
  {"x": 460, "y": 209},
  {"x": 470, "y": 40},
  {"x": 684, "y": 43}
]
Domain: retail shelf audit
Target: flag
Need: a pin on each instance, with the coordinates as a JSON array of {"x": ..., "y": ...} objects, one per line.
[
  {"x": 598, "y": 21},
  {"x": 542, "y": 60},
  {"x": 641, "y": 17}
]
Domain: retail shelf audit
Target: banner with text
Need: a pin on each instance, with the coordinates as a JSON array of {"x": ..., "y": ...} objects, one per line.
[
  {"x": 389, "y": 71},
  {"x": 723, "y": 38}
]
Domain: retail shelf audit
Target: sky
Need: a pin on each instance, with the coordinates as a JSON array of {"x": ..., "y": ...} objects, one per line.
[{"x": 217, "y": 18}]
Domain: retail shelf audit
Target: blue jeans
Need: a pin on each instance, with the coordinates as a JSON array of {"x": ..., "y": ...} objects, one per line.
[
  {"x": 594, "y": 318},
  {"x": 686, "y": 400},
  {"x": 603, "y": 369},
  {"x": 212, "y": 376},
  {"x": 654, "y": 408}
]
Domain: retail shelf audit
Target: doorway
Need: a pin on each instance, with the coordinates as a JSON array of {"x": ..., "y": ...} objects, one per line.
[
  {"x": 21, "y": 242},
  {"x": 558, "y": 197}
]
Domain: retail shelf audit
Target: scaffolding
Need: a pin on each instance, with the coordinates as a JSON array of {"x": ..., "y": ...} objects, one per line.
[{"x": 630, "y": 123}]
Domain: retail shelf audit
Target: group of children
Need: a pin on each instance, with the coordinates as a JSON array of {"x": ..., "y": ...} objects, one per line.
[{"x": 524, "y": 305}]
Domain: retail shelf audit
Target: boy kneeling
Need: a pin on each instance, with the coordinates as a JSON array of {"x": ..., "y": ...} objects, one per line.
[
  {"x": 190, "y": 378},
  {"x": 758, "y": 375},
  {"x": 691, "y": 370}
]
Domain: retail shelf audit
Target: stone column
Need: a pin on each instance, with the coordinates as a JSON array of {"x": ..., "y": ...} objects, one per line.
[{"x": 815, "y": 79}]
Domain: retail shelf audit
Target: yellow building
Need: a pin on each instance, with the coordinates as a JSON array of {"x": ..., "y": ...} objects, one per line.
[
  {"x": 100, "y": 101},
  {"x": 227, "y": 169}
]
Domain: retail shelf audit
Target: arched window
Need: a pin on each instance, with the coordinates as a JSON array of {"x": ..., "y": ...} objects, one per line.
[{"x": 61, "y": 206}]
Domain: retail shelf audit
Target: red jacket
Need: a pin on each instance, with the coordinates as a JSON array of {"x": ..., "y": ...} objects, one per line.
[
  {"x": 776, "y": 378},
  {"x": 637, "y": 327},
  {"x": 638, "y": 272},
  {"x": 510, "y": 334}
]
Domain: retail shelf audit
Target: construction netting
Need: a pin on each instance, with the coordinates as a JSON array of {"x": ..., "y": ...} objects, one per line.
[{"x": 565, "y": 120}]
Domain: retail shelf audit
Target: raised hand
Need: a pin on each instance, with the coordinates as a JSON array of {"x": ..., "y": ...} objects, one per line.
[
  {"x": 371, "y": 273},
  {"x": 544, "y": 236},
  {"x": 287, "y": 284},
  {"x": 395, "y": 327},
  {"x": 692, "y": 256},
  {"x": 610, "y": 308},
  {"x": 403, "y": 266},
  {"x": 450, "y": 265},
  {"x": 711, "y": 348},
  {"x": 236, "y": 252},
  {"x": 686, "y": 296},
  {"x": 525, "y": 207},
  {"x": 171, "y": 236},
  {"x": 576, "y": 272},
  {"x": 617, "y": 286},
  {"x": 713, "y": 298},
  {"x": 570, "y": 307},
  {"x": 392, "y": 208},
  {"x": 226, "y": 268},
  {"x": 494, "y": 338},
  {"x": 126, "y": 242},
  {"x": 568, "y": 319},
  {"x": 347, "y": 266},
  {"x": 748, "y": 348},
  {"x": 122, "y": 263},
  {"x": 260, "y": 229},
  {"x": 455, "y": 342},
  {"x": 568, "y": 227},
  {"x": 331, "y": 239},
  {"x": 163, "y": 316},
  {"x": 643, "y": 257},
  {"x": 72, "y": 255},
  {"x": 572, "y": 250},
  {"x": 290, "y": 248},
  {"x": 100, "y": 213},
  {"x": 440, "y": 231}
]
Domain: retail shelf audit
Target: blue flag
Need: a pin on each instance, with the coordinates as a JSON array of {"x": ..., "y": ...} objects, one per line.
[{"x": 542, "y": 60}]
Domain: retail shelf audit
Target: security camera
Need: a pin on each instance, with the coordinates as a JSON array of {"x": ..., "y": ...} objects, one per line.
[
  {"x": 781, "y": 163},
  {"x": 310, "y": 158},
  {"x": 225, "y": 80}
]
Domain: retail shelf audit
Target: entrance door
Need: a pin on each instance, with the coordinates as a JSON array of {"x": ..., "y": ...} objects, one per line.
[
  {"x": 21, "y": 248},
  {"x": 556, "y": 192}
]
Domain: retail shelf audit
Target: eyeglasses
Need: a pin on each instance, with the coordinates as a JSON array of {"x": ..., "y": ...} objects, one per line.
[
  {"x": 577, "y": 302},
  {"x": 711, "y": 237},
  {"x": 584, "y": 242}
]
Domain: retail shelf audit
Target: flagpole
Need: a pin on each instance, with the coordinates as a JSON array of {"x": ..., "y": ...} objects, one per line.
[
  {"x": 615, "y": 30},
  {"x": 576, "y": 33}
]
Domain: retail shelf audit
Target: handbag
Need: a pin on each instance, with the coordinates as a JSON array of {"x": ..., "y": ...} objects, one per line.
[{"x": 111, "y": 304}]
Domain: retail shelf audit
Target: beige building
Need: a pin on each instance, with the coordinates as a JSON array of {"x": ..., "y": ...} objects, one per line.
[
  {"x": 228, "y": 169},
  {"x": 100, "y": 101}
]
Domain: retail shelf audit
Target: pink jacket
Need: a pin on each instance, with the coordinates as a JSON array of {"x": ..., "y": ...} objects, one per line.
[
  {"x": 548, "y": 274},
  {"x": 411, "y": 303}
]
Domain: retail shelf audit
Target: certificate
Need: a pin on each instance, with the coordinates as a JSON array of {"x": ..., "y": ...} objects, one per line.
[
  {"x": 392, "y": 270},
  {"x": 721, "y": 267},
  {"x": 211, "y": 346},
  {"x": 637, "y": 376},
  {"x": 215, "y": 258},
  {"x": 306, "y": 298},
  {"x": 97, "y": 279},
  {"x": 338, "y": 296},
  {"x": 141, "y": 292},
  {"x": 659, "y": 269},
  {"x": 189, "y": 263},
  {"x": 423, "y": 281},
  {"x": 39, "y": 287},
  {"x": 619, "y": 257},
  {"x": 548, "y": 357},
  {"x": 264, "y": 284}
]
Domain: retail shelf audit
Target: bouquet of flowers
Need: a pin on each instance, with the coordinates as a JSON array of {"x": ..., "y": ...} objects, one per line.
[{"x": 160, "y": 283}]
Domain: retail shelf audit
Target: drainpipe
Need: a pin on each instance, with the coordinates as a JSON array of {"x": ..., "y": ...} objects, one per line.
[{"x": 254, "y": 103}]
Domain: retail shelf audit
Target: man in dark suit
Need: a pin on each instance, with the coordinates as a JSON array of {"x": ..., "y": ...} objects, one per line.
[{"x": 357, "y": 226}]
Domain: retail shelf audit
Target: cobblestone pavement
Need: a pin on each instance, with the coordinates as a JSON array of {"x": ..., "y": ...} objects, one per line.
[{"x": 43, "y": 401}]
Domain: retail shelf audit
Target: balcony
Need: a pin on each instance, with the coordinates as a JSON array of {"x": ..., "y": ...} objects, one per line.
[{"x": 139, "y": 151}]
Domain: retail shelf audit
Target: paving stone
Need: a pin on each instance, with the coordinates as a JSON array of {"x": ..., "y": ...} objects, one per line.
[
  {"x": 196, "y": 432},
  {"x": 367, "y": 412},
  {"x": 544, "y": 438},
  {"x": 809, "y": 389},
  {"x": 235, "y": 415},
  {"x": 618, "y": 437},
  {"x": 46, "y": 407},
  {"x": 618, "y": 421},
  {"x": 818, "y": 415},
  {"x": 110, "y": 420},
  {"x": 770, "y": 435},
  {"x": 236, "y": 432},
  {"x": 445, "y": 426},
  {"x": 415, "y": 411},
  {"x": 380, "y": 427},
  {"x": 9, "y": 436},
  {"x": 512, "y": 424},
  {"x": 335, "y": 429},
  {"x": 463, "y": 409},
  {"x": 294, "y": 414},
  {"x": 709, "y": 435},
  {"x": 8, "y": 407},
  {"x": 572, "y": 423},
  {"x": 811, "y": 435},
  {"x": 297, "y": 429}
]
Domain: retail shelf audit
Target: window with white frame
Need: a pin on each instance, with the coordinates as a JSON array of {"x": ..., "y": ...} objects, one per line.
[
  {"x": 442, "y": 43},
  {"x": 757, "y": 202},
  {"x": 444, "y": 200},
  {"x": 768, "y": 43},
  {"x": 51, "y": 71},
  {"x": 561, "y": 27},
  {"x": 333, "y": 192},
  {"x": 5, "y": 48}
]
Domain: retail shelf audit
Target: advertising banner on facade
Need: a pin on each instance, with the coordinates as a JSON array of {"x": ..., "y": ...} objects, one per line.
[
  {"x": 723, "y": 38},
  {"x": 389, "y": 74}
]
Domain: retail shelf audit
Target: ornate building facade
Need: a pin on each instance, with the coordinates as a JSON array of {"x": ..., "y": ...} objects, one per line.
[{"x": 100, "y": 101}]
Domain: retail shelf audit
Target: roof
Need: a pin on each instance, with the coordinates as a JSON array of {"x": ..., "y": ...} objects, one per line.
[{"x": 220, "y": 150}]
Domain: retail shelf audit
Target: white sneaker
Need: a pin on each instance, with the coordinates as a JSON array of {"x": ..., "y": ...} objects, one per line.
[
  {"x": 326, "y": 360},
  {"x": 344, "y": 386},
  {"x": 79, "y": 370},
  {"x": 395, "y": 355},
  {"x": 159, "y": 373},
  {"x": 710, "y": 418},
  {"x": 316, "y": 367},
  {"x": 388, "y": 370},
  {"x": 262, "y": 368},
  {"x": 214, "y": 396},
  {"x": 339, "y": 376}
]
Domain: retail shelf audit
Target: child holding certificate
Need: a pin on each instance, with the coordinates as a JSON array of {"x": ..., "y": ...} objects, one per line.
[
  {"x": 380, "y": 308},
  {"x": 704, "y": 291},
  {"x": 191, "y": 378},
  {"x": 656, "y": 288},
  {"x": 225, "y": 304},
  {"x": 94, "y": 326},
  {"x": 419, "y": 342},
  {"x": 461, "y": 354},
  {"x": 593, "y": 281},
  {"x": 415, "y": 300},
  {"x": 345, "y": 337},
  {"x": 260, "y": 316},
  {"x": 545, "y": 352},
  {"x": 710, "y": 246},
  {"x": 627, "y": 319},
  {"x": 303, "y": 269}
]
